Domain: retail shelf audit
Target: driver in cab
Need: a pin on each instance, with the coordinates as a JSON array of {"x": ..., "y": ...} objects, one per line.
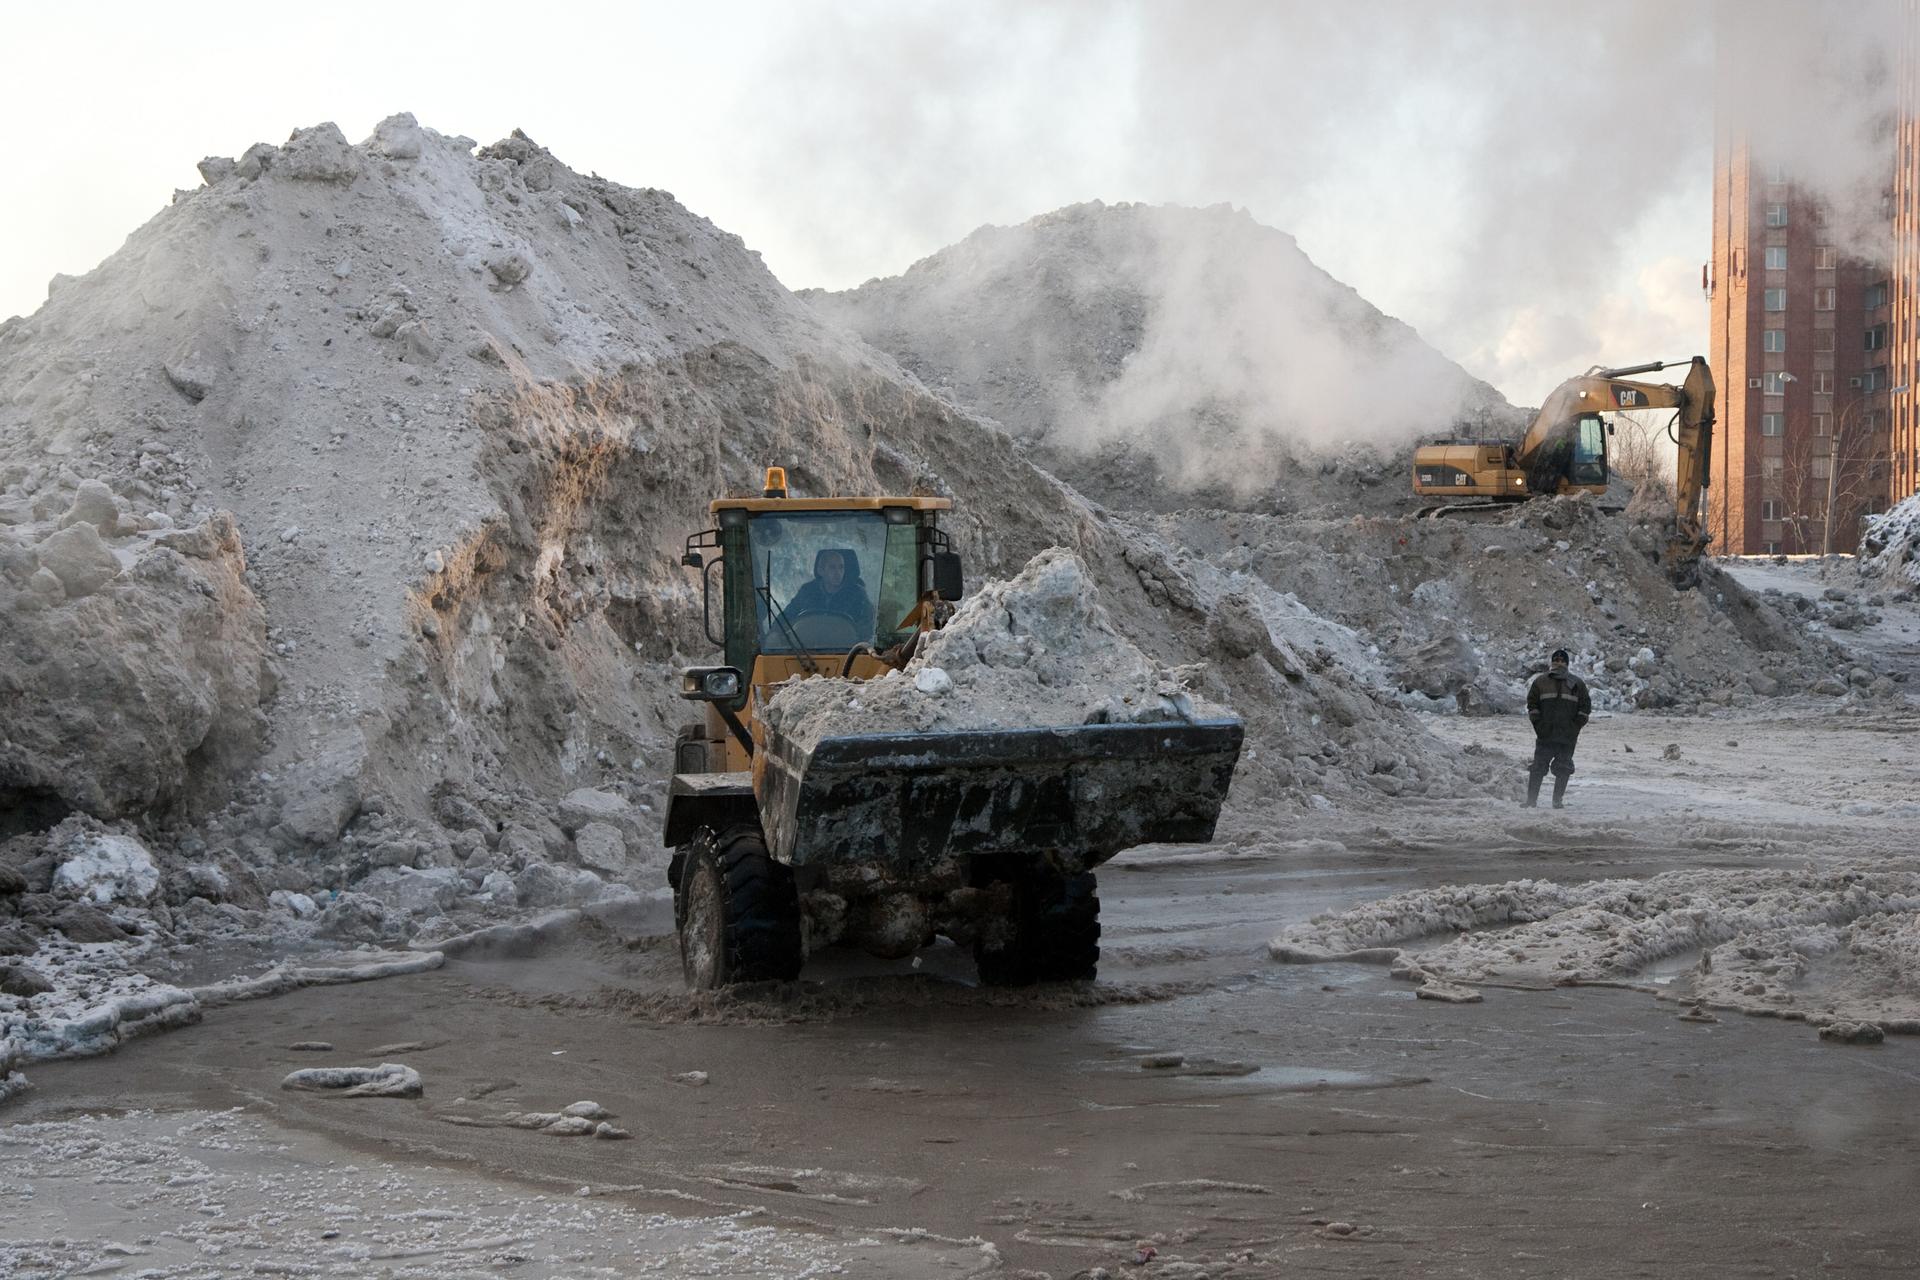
[{"x": 834, "y": 588}]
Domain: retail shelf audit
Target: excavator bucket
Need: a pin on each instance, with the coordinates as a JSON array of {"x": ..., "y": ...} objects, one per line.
[{"x": 904, "y": 803}]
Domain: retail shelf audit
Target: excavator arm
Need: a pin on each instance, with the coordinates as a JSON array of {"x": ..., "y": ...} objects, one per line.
[{"x": 1612, "y": 390}]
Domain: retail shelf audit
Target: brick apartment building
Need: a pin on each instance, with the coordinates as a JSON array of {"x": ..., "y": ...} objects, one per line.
[{"x": 1816, "y": 353}]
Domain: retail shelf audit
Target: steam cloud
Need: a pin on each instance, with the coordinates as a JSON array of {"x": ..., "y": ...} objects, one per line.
[{"x": 1526, "y": 184}]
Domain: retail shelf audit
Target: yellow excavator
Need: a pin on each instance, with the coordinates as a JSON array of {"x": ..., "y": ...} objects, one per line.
[{"x": 1565, "y": 451}]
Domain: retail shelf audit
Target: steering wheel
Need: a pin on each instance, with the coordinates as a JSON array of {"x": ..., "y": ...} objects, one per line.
[{"x": 848, "y": 630}]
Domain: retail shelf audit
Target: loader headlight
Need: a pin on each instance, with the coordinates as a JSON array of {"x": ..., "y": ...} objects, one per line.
[{"x": 710, "y": 684}]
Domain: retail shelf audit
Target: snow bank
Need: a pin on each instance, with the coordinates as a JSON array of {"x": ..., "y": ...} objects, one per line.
[
  {"x": 1817, "y": 945},
  {"x": 1890, "y": 549}
]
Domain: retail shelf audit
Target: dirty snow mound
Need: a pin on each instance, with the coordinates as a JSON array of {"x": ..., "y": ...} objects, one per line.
[
  {"x": 1891, "y": 547},
  {"x": 1043, "y": 648},
  {"x": 1160, "y": 356},
  {"x": 1819, "y": 945},
  {"x": 1447, "y": 614},
  {"x": 1036, "y": 649}
]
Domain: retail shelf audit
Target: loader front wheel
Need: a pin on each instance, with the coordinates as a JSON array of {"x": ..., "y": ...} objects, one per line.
[
  {"x": 1054, "y": 934},
  {"x": 739, "y": 912}
]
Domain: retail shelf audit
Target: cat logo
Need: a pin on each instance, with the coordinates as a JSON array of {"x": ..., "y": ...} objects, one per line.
[{"x": 1628, "y": 398}]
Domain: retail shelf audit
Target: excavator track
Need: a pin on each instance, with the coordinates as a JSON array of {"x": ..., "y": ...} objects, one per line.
[
  {"x": 1455, "y": 510},
  {"x": 1489, "y": 510}
]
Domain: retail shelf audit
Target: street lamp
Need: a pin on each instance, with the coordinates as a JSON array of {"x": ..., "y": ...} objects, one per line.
[{"x": 1833, "y": 466}]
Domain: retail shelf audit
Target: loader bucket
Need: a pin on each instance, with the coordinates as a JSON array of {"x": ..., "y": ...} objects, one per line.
[{"x": 906, "y": 803}]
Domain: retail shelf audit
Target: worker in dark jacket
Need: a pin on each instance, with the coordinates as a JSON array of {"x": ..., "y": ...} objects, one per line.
[{"x": 1559, "y": 706}]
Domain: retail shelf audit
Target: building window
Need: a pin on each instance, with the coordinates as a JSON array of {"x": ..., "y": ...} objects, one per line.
[
  {"x": 1876, "y": 295},
  {"x": 1868, "y": 381},
  {"x": 1823, "y": 382},
  {"x": 1824, "y": 257},
  {"x": 1769, "y": 468},
  {"x": 1823, "y": 339},
  {"x": 1770, "y": 508},
  {"x": 1820, "y": 467},
  {"x": 1773, "y": 340},
  {"x": 1823, "y": 299},
  {"x": 1777, "y": 258},
  {"x": 1773, "y": 383},
  {"x": 1773, "y": 424},
  {"x": 1877, "y": 337},
  {"x": 1776, "y": 299},
  {"x": 1821, "y": 421},
  {"x": 1776, "y": 215}
]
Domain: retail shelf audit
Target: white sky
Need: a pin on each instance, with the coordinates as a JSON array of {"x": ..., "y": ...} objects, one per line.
[{"x": 1527, "y": 188}]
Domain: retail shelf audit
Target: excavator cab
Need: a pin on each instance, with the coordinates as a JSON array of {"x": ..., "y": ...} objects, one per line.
[{"x": 1589, "y": 466}]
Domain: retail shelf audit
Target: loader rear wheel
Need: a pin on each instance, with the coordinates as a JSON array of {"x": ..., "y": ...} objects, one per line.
[
  {"x": 1055, "y": 935},
  {"x": 739, "y": 914}
]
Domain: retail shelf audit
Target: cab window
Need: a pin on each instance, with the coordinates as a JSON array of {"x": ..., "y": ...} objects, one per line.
[{"x": 1589, "y": 451}]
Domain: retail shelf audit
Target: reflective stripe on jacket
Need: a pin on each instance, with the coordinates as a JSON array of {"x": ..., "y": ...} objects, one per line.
[{"x": 1559, "y": 706}]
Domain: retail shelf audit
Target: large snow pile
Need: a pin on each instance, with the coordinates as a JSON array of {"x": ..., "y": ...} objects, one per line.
[
  {"x": 1890, "y": 549},
  {"x": 461, "y": 407},
  {"x": 1831, "y": 945},
  {"x": 1158, "y": 355}
]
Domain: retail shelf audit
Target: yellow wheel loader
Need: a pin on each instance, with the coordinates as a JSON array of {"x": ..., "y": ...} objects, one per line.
[
  {"x": 1565, "y": 451},
  {"x": 886, "y": 839}
]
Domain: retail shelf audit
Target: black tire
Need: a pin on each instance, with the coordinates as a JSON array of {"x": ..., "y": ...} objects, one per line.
[
  {"x": 1055, "y": 935},
  {"x": 738, "y": 912}
]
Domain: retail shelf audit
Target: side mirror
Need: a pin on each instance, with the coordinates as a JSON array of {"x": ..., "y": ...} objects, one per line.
[
  {"x": 692, "y": 560},
  {"x": 710, "y": 684},
  {"x": 946, "y": 575}
]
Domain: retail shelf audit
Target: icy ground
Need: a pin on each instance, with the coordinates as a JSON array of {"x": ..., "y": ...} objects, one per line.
[
  {"x": 1876, "y": 613},
  {"x": 1533, "y": 1125},
  {"x": 212, "y": 1194},
  {"x": 1827, "y": 778}
]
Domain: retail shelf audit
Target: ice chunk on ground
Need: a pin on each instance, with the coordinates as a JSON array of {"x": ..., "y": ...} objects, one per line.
[
  {"x": 104, "y": 866},
  {"x": 388, "y": 1080}
]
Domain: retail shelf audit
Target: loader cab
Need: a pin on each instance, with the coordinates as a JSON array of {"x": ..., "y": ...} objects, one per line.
[{"x": 816, "y": 586}]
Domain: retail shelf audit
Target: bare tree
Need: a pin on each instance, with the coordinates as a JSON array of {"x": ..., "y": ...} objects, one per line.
[
  {"x": 1802, "y": 495},
  {"x": 1642, "y": 453},
  {"x": 1844, "y": 466}
]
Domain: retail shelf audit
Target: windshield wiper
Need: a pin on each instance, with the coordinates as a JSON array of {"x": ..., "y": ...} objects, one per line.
[{"x": 779, "y": 614}]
